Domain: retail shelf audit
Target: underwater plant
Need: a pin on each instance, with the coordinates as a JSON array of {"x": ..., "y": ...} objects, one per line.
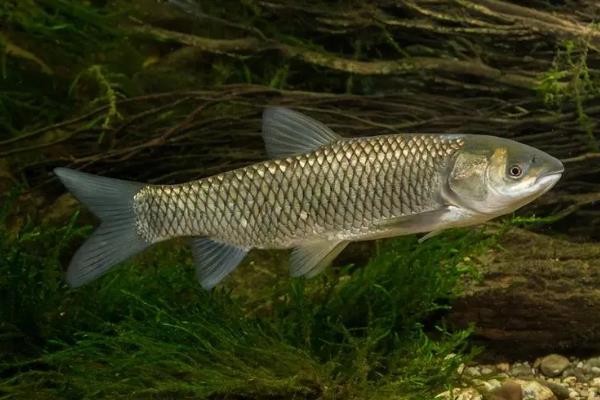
[{"x": 150, "y": 331}]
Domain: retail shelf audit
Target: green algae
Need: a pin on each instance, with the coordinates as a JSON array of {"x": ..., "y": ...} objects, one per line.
[
  {"x": 147, "y": 330},
  {"x": 55, "y": 41}
]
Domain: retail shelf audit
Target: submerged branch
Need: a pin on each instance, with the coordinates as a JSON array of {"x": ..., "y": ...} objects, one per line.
[
  {"x": 332, "y": 61},
  {"x": 11, "y": 49}
]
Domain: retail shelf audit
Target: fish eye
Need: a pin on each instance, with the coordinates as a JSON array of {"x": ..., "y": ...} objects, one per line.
[{"x": 515, "y": 171}]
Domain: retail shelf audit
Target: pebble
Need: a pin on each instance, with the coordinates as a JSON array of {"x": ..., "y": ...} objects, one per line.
[
  {"x": 592, "y": 362},
  {"x": 533, "y": 390},
  {"x": 561, "y": 392},
  {"x": 570, "y": 380},
  {"x": 521, "y": 370},
  {"x": 573, "y": 394},
  {"x": 510, "y": 390},
  {"x": 553, "y": 377},
  {"x": 490, "y": 385},
  {"x": 460, "y": 394},
  {"x": 503, "y": 367},
  {"x": 554, "y": 364},
  {"x": 575, "y": 373}
]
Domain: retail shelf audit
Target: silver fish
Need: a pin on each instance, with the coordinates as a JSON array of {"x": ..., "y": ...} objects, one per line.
[{"x": 318, "y": 192}]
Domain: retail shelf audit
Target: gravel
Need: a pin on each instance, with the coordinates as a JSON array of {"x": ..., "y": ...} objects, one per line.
[{"x": 553, "y": 377}]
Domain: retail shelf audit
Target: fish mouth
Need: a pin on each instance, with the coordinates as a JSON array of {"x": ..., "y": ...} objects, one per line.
[{"x": 550, "y": 177}]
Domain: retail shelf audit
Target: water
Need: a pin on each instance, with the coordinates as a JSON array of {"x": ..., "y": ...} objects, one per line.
[{"x": 165, "y": 92}]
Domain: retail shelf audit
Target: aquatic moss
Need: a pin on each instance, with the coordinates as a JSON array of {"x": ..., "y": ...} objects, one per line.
[
  {"x": 44, "y": 46},
  {"x": 147, "y": 330},
  {"x": 571, "y": 81}
]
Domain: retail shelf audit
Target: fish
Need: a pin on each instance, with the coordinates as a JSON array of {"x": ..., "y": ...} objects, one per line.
[{"x": 316, "y": 193}]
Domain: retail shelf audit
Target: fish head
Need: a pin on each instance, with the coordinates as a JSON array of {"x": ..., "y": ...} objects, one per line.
[{"x": 495, "y": 176}]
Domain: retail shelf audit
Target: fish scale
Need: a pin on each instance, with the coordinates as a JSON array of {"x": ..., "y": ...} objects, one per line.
[{"x": 339, "y": 190}]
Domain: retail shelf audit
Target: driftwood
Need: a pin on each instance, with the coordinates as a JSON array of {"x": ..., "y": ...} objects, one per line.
[{"x": 536, "y": 295}]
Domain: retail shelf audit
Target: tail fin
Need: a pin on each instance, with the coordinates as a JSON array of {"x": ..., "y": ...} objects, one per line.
[{"x": 116, "y": 239}]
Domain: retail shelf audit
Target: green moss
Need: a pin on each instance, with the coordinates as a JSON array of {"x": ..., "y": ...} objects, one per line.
[
  {"x": 44, "y": 46},
  {"x": 109, "y": 89},
  {"x": 571, "y": 82},
  {"x": 147, "y": 330}
]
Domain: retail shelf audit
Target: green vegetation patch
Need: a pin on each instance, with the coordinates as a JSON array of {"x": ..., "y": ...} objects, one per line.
[{"x": 147, "y": 329}]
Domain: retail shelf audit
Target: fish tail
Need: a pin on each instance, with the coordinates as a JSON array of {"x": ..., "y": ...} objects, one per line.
[{"x": 116, "y": 239}]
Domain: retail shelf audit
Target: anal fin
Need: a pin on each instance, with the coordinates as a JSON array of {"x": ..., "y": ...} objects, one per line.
[
  {"x": 215, "y": 260},
  {"x": 312, "y": 258}
]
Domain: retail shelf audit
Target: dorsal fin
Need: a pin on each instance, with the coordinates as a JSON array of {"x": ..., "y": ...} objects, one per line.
[{"x": 287, "y": 133}]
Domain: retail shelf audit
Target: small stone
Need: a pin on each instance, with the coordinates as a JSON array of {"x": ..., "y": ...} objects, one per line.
[
  {"x": 569, "y": 372},
  {"x": 510, "y": 390},
  {"x": 577, "y": 374},
  {"x": 554, "y": 364},
  {"x": 561, "y": 392},
  {"x": 478, "y": 383},
  {"x": 595, "y": 383},
  {"x": 460, "y": 369},
  {"x": 570, "y": 380},
  {"x": 491, "y": 384},
  {"x": 573, "y": 394},
  {"x": 486, "y": 371},
  {"x": 591, "y": 366},
  {"x": 592, "y": 362},
  {"x": 503, "y": 367},
  {"x": 521, "y": 371},
  {"x": 473, "y": 371},
  {"x": 533, "y": 390},
  {"x": 460, "y": 394}
]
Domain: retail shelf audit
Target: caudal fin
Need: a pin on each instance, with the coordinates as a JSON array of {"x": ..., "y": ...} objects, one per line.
[{"x": 116, "y": 239}]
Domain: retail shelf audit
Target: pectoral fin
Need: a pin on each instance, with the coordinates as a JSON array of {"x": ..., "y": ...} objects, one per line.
[
  {"x": 312, "y": 258},
  {"x": 430, "y": 235},
  {"x": 215, "y": 260},
  {"x": 423, "y": 222}
]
